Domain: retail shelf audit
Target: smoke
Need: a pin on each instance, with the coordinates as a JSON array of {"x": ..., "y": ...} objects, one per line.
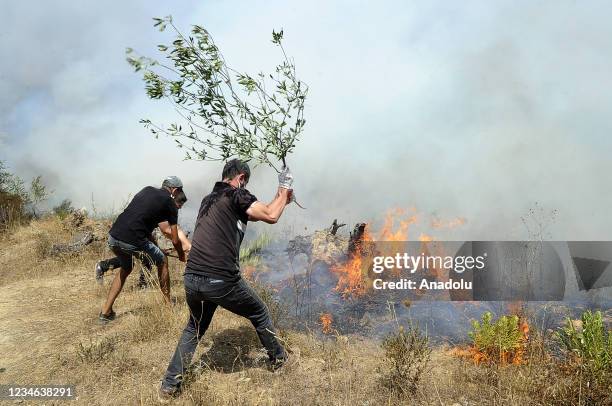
[{"x": 472, "y": 110}]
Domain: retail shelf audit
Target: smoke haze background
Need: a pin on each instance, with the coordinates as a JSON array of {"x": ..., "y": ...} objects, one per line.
[{"x": 467, "y": 109}]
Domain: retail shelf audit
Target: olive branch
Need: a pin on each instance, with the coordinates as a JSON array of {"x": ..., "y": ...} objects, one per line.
[{"x": 222, "y": 112}]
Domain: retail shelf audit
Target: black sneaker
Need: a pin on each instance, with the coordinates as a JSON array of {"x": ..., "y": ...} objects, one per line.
[
  {"x": 286, "y": 363},
  {"x": 166, "y": 394},
  {"x": 99, "y": 273},
  {"x": 105, "y": 318}
]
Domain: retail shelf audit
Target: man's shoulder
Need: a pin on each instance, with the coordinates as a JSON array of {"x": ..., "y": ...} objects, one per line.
[
  {"x": 147, "y": 191},
  {"x": 245, "y": 194},
  {"x": 150, "y": 197},
  {"x": 151, "y": 191},
  {"x": 243, "y": 200}
]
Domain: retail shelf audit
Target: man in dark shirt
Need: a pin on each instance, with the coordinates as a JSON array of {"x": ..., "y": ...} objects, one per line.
[
  {"x": 212, "y": 275},
  {"x": 130, "y": 236}
]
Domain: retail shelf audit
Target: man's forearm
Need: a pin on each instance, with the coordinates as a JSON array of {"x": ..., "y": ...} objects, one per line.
[
  {"x": 185, "y": 243},
  {"x": 176, "y": 242},
  {"x": 179, "y": 248},
  {"x": 277, "y": 205}
]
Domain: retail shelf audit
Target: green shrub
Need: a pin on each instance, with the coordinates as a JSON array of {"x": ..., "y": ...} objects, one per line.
[
  {"x": 249, "y": 255},
  {"x": 501, "y": 340},
  {"x": 406, "y": 356},
  {"x": 590, "y": 346},
  {"x": 17, "y": 202},
  {"x": 64, "y": 209}
]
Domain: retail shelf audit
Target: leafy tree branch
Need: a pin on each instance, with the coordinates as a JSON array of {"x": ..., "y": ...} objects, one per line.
[{"x": 223, "y": 112}]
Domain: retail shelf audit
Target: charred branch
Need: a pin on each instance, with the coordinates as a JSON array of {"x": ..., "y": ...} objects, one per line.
[
  {"x": 299, "y": 245},
  {"x": 335, "y": 227},
  {"x": 74, "y": 247},
  {"x": 356, "y": 238}
]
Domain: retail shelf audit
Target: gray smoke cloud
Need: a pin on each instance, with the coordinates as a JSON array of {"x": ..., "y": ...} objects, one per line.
[{"x": 474, "y": 110}]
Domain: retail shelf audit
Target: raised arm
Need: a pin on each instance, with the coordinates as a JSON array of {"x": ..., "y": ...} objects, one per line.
[{"x": 271, "y": 212}]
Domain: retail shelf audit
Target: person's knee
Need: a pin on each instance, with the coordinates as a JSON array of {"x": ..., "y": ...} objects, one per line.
[
  {"x": 155, "y": 255},
  {"x": 191, "y": 328}
]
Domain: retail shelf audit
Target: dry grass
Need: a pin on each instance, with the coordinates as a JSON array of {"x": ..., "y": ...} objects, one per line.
[{"x": 50, "y": 334}]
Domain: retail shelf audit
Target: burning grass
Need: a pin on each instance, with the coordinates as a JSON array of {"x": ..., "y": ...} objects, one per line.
[
  {"x": 326, "y": 323},
  {"x": 353, "y": 279},
  {"x": 50, "y": 334}
]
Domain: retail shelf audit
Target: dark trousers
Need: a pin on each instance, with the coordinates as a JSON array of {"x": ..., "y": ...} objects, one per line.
[{"x": 203, "y": 296}]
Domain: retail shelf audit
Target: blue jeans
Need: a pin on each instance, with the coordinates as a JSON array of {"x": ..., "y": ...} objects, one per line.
[
  {"x": 203, "y": 296},
  {"x": 149, "y": 253}
]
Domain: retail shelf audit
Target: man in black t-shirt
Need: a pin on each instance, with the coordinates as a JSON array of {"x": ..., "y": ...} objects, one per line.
[
  {"x": 130, "y": 236},
  {"x": 212, "y": 275}
]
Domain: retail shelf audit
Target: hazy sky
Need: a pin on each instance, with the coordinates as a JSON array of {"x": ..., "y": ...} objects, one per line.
[{"x": 474, "y": 109}]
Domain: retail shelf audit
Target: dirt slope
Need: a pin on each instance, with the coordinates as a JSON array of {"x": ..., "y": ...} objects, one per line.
[{"x": 49, "y": 334}]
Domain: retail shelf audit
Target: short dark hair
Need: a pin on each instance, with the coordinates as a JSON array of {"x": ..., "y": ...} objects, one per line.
[
  {"x": 180, "y": 197},
  {"x": 234, "y": 168}
]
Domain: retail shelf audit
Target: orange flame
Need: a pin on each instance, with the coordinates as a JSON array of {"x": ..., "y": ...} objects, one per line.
[
  {"x": 351, "y": 275},
  {"x": 395, "y": 229},
  {"x": 350, "y": 279},
  {"x": 425, "y": 238},
  {"x": 437, "y": 223},
  {"x": 326, "y": 323}
]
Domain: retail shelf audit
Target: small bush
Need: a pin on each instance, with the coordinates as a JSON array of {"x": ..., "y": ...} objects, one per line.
[
  {"x": 42, "y": 245},
  {"x": 251, "y": 252},
  {"x": 500, "y": 341},
  {"x": 12, "y": 210},
  {"x": 93, "y": 352},
  {"x": 333, "y": 351},
  {"x": 406, "y": 356},
  {"x": 64, "y": 209},
  {"x": 583, "y": 376},
  {"x": 17, "y": 202},
  {"x": 590, "y": 347},
  {"x": 250, "y": 256}
]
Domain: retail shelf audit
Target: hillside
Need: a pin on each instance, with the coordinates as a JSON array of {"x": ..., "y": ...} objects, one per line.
[{"x": 50, "y": 334}]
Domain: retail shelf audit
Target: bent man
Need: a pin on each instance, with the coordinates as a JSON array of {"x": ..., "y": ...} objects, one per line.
[
  {"x": 129, "y": 236},
  {"x": 212, "y": 275}
]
